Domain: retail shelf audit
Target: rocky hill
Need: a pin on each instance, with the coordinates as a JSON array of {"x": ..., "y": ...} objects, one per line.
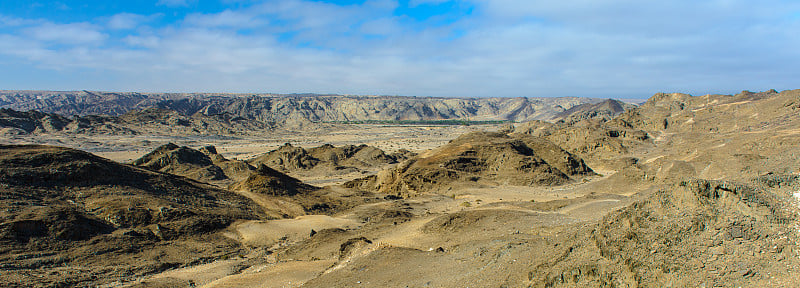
[
  {"x": 684, "y": 122},
  {"x": 328, "y": 159},
  {"x": 734, "y": 137},
  {"x": 278, "y": 194},
  {"x": 207, "y": 166},
  {"x": 16, "y": 122},
  {"x": 479, "y": 158},
  {"x": 605, "y": 111},
  {"x": 184, "y": 161},
  {"x": 65, "y": 207},
  {"x": 268, "y": 181},
  {"x": 598, "y": 142}
]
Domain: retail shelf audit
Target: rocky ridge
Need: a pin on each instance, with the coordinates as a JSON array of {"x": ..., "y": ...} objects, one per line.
[
  {"x": 604, "y": 111},
  {"x": 328, "y": 159},
  {"x": 293, "y": 109},
  {"x": 134, "y": 122},
  {"x": 480, "y": 157}
]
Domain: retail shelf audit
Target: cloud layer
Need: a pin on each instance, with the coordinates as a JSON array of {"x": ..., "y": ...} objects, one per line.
[{"x": 622, "y": 48}]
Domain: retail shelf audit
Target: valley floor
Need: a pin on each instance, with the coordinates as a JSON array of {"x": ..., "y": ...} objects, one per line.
[
  {"x": 390, "y": 138},
  {"x": 471, "y": 237}
]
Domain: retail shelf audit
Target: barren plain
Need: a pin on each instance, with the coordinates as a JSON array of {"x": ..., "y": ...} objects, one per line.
[{"x": 680, "y": 191}]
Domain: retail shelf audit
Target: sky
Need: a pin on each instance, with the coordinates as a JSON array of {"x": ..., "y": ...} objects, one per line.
[{"x": 463, "y": 48}]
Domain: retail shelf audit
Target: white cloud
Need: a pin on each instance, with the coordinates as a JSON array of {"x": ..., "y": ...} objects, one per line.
[
  {"x": 142, "y": 41},
  {"x": 227, "y": 18},
  {"x": 72, "y": 33},
  {"x": 11, "y": 21},
  {"x": 383, "y": 26},
  {"x": 619, "y": 48},
  {"x": 174, "y": 3},
  {"x": 124, "y": 21},
  {"x": 415, "y": 3},
  {"x": 20, "y": 47}
]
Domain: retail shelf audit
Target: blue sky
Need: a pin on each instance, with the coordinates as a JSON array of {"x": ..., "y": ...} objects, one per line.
[{"x": 475, "y": 48}]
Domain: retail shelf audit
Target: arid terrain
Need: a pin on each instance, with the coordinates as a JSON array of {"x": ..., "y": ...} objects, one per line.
[{"x": 179, "y": 190}]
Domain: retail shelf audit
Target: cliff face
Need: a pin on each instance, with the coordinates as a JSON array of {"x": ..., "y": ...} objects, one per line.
[
  {"x": 295, "y": 108},
  {"x": 76, "y": 102},
  {"x": 358, "y": 108}
]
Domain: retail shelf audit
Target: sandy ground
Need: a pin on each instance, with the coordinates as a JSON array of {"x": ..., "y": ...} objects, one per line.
[
  {"x": 269, "y": 233},
  {"x": 285, "y": 274},
  {"x": 271, "y": 272}
]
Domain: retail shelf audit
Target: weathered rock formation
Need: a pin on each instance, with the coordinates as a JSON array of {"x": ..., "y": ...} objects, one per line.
[
  {"x": 184, "y": 161},
  {"x": 327, "y": 159},
  {"x": 479, "y": 157},
  {"x": 268, "y": 181},
  {"x": 602, "y": 111}
]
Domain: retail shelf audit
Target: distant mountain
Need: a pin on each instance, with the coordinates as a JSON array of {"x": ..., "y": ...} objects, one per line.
[
  {"x": 293, "y": 108},
  {"x": 28, "y": 122},
  {"x": 77, "y": 102},
  {"x": 359, "y": 108},
  {"x": 14, "y": 122},
  {"x": 150, "y": 120}
]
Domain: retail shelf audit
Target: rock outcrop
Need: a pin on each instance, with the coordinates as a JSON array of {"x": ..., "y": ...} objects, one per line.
[
  {"x": 717, "y": 232},
  {"x": 268, "y": 181},
  {"x": 328, "y": 159},
  {"x": 31, "y": 121},
  {"x": 184, "y": 161},
  {"x": 593, "y": 140},
  {"x": 479, "y": 157},
  {"x": 602, "y": 111},
  {"x": 120, "y": 195}
]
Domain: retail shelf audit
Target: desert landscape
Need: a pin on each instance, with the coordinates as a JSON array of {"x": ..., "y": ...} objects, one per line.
[{"x": 105, "y": 189}]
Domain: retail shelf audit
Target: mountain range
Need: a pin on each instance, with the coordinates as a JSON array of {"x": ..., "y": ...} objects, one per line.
[{"x": 293, "y": 108}]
